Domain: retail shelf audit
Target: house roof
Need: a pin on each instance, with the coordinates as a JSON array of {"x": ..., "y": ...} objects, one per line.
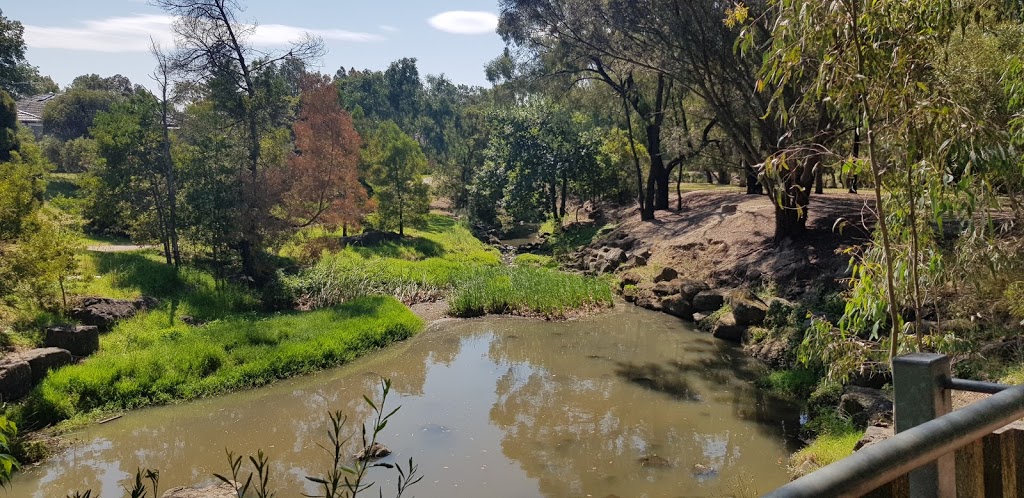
[{"x": 30, "y": 109}]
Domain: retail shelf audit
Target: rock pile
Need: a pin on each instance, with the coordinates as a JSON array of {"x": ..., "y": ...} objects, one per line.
[
  {"x": 20, "y": 372},
  {"x": 103, "y": 312}
]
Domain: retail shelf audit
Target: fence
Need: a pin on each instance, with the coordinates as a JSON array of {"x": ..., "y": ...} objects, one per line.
[{"x": 936, "y": 452}]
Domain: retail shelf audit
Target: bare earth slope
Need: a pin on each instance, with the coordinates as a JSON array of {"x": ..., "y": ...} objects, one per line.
[{"x": 725, "y": 248}]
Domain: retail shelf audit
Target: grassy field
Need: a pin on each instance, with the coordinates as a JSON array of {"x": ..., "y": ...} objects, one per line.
[{"x": 148, "y": 360}]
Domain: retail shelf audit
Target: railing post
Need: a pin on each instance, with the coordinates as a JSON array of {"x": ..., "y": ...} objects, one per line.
[{"x": 919, "y": 396}]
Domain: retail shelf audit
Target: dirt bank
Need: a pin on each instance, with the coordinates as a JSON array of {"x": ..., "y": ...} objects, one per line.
[{"x": 726, "y": 239}]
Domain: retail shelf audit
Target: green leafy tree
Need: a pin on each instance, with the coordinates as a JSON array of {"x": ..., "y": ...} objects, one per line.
[
  {"x": 22, "y": 184},
  {"x": 396, "y": 165},
  {"x": 8, "y": 126},
  {"x": 919, "y": 131},
  {"x": 46, "y": 260}
]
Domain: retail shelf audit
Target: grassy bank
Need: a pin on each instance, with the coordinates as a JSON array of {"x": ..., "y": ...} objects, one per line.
[
  {"x": 147, "y": 360},
  {"x": 527, "y": 291},
  {"x": 443, "y": 260}
]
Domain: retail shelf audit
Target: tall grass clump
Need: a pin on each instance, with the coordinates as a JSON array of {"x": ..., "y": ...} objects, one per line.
[
  {"x": 148, "y": 360},
  {"x": 527, "y": 291}
]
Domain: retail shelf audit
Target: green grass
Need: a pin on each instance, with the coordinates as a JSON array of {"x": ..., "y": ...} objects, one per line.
[
  {"x": 190, "y": 291},
  {"x": 444, "y": 260},
  {"x": 147, "y": 360},
  {"x": 536, "y": 261},
  {"x": 796, "y": 383},
  {"x": 826, "y": 449},
  {"x": 527, "y": 291}
]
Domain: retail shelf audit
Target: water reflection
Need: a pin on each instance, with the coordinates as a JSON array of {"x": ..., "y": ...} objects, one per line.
[{"x": 623, "y": 404}]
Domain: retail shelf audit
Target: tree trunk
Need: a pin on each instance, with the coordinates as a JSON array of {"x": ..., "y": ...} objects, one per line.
[
  {"x": 679, "y": 190},
  {"x": 754, "y": 186},
  {"x": 661, "y": 175},
  {"x": 819, "y": 180},
  {"x": 565, "y": 194},
  {"x": 723, "y": 177},
  {"x": 709, "y": 176}
]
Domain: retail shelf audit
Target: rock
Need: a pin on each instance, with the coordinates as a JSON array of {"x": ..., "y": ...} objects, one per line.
[
  {"x": 615, "y": 255},
  {"x": 666, "y": 288},
  {"x": 635, "y": 261},
  {"x": 874, "y": 434},
  {"x": 689, "y": 288},
  {"x": 103, "y": 312},
  {"x": 866, "y": 406},
  {"x": 373, "y": 452},
  {"x": 699, "y": 317},
  {"x": 629, "y": 278},
  {"x": 727, "y": 329},
  {"x": 667, "y": 274},
  {"x": 643, "y": 253},
  {"x": 223, "y": 490},
  {"x": 647, "y": 299},
  {"x": 700, "y": 470},
  {"x": 709, "y": 300},
  {"x": 606, "y": 267},
  {"x": 1004, "y": 349},
  {"x": 729, "y": 209},
  {"x": 79, "y": 340},
  {"x": 45, "y": 359},
  {"x": 871, "y": 376},
  {"x": 15, "y": 380},
  {"x": 776, "y": 352},
  {"x": 190, "y": 320},
  {"x": 677, "y": 306},
  {"x": 655, "y": 461},
  {"x": 630, "y": 293},
  {"x": 624, "y": 243},
  {"x": 493, "y": 240},
  {"x": 748, "y": 310}
]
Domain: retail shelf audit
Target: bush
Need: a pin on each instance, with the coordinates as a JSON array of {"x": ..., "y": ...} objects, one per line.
[{"x": 796, "y": 383}]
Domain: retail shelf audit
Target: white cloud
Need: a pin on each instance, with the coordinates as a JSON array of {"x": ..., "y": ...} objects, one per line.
[
  {"x": 116, "y": 34},
  {"x": 132, "y": 34},
  {"x": 388, "y": 28},
  {"x": 464, "y": 22}
]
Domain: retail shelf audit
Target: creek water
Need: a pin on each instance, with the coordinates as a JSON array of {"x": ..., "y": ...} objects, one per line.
[{"x": 626, "y": 403}]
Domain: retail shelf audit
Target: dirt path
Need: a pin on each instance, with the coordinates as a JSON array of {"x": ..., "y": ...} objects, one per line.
[{"x": 118, "y": 248}]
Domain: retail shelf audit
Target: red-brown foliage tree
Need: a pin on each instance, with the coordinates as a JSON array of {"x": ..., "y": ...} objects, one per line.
[{"x": 323, "y": 175}]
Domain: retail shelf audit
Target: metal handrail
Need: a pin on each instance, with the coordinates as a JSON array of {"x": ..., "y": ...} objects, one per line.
[
  {"x": 881, "y": 463},
  {"x": 976, "y": 386}
]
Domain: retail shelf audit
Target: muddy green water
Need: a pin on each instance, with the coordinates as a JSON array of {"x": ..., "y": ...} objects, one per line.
[{"x": 621, "y": 404}]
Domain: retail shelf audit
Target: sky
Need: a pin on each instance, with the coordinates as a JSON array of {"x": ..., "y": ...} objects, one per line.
[{"x": 68, "y": 38}]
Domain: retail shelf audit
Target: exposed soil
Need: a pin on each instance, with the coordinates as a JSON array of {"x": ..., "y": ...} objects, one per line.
[{"x": 730, "y": 248}]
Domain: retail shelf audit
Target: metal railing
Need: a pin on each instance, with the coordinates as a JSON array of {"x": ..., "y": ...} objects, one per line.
[{"x": 927, "y": 434}]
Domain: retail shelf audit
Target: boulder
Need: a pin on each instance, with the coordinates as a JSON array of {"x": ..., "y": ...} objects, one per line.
[
  {"x": 666, "y": 274},
  {"x": 646, "y": 298},
  {"x": 636, "y": 260},
  {"x": 699, "y": 317},
  {"x": 874, "y": 434},
  {"x": 223, "y": 490},
  {"x": 615, "y": 255},
  {"x": 776, "y": 352},
  {"x": 866, "y": 406},
  {"x": 643, "y": 253},
  {"x": 677, "y": 306},
  {"x": 727, "y": 329},
  {"x": 666, "y": 288},
  {"x": 629, "y": 278},
  {"x": 689, "y": 288},
  {"x": 15, "y": 379},
  {"x": 748, "y": 310},
  {"x": 871, "y": 376},
  {"x": 630, "y": 293},
  {"x": 103, "y": 312},
  {"x": 79, "y": 340},
  {"x": 709, "y": 300},
  {"x": 45, "y": 359}
]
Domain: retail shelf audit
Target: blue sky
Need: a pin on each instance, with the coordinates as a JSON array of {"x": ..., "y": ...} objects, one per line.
[{"x": 456, "y": 37}]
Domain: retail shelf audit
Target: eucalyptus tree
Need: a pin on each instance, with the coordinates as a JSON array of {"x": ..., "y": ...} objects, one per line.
[
  {"x": 875, "y": 63},
  {"x": 570, "y": 37},
  {"x": 214, "y": 45}
]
